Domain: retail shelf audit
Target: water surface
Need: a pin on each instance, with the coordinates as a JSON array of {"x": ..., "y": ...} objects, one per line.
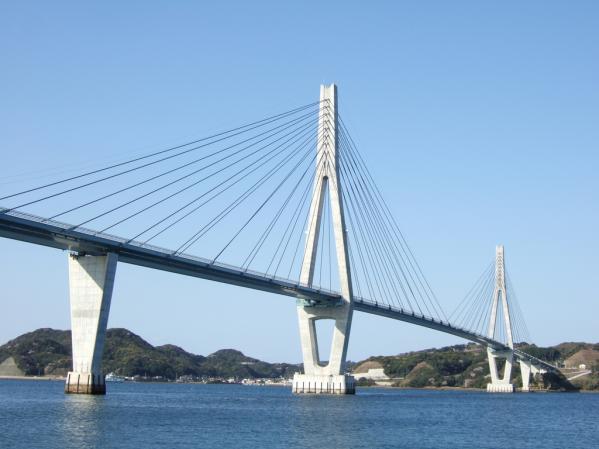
[{"x": 37, "y": 414}]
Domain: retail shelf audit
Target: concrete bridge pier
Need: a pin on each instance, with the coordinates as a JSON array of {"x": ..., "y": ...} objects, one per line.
[
  {"x": 321, "y": 378},
  {"x": 91, "y": 279},
  {"x": 525, "y": 369},
  {"x": 500, "y": 384}
]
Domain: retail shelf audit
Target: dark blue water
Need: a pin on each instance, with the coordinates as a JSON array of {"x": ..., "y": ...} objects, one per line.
[{"x": 37, "y": 414}]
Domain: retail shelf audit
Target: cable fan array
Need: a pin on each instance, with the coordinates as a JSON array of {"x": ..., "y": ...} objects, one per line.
[
  {"x": 221, "y": 196},
  {"x": 242, "y": 198},
  {"x": 474, "y": 311},
  {"x": 383, "y": 266}
]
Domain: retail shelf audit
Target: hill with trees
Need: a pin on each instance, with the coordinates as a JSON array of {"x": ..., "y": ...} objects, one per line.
[
  {"x": 48, "y": 352},
  {"x": 466, "y": 366}
]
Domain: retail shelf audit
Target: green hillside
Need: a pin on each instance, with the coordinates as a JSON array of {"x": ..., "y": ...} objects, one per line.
[
  {"x": 466, "y": 366},
  {"x": 48, "y": 352}
]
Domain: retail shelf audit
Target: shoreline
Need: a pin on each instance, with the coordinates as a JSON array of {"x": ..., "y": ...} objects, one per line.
[
  {"x": 32, "y": 378},
  {"x": 386, "y": 387}
]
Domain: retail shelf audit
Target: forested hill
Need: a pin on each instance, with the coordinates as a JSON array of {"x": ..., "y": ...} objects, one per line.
[
  {"x": 48, "y": 352},
  {"x": 466, "y": 366}
]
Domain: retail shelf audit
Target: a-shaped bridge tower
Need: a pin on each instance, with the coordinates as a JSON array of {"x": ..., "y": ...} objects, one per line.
[
  {"x": 527, "y": 366},
  {"x": 329, "y": 377},
  {"x": 491, "y": 308},
  {"x": 500, "y": 384}
]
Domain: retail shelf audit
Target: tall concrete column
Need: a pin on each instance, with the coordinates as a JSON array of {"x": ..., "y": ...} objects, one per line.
[
  {"x": 500, "y": 384},
  {"x": 525, "y": 369},
  {"x": 320, "y": 377},
  {"x": 91, "y": 279}
]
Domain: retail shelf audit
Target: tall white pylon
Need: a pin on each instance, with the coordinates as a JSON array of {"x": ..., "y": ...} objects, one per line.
[
  {"x": 329, "y": 377},
  {"x": 500, "y": 385}
]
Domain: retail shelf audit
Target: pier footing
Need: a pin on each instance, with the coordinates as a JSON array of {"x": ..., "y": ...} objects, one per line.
[
  {"x": 500, "y": 388},
  {"x": 84, "y": 383},
  {"x": 323, "y": 384}
]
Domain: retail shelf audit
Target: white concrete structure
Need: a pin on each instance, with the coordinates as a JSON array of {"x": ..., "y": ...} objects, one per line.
[
  {"x": 372, "y": 374},
  {"x": 525, "y": 369},
  {"x": 503, "y": 384},
  {"x": 319, "y": 384},
  {"x": 500, "y": 385},
  {"x": 320, "y": 377},
  {"x": 91, "y": 279}
]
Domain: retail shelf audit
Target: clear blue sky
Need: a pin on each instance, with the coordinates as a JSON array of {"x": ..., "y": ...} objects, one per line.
[{"x": 479, "y": 120}]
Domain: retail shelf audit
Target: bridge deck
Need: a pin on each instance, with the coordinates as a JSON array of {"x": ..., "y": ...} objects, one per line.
[
  {"x": 33, "y": 229},
  {"x": 367, "y": 306}
]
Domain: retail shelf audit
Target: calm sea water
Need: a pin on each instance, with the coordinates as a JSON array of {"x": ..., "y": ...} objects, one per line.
[{"x": 36, "y": 414}]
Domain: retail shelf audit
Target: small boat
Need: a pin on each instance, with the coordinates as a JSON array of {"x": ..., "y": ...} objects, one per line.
[{"x": 111, "y": 377}]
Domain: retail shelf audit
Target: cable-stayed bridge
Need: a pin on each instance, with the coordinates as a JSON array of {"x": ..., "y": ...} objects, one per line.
[{"x": 285, "y": 205}]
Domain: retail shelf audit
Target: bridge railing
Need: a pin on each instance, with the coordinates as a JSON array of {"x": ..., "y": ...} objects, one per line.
[{"x": 401, "y": 310}]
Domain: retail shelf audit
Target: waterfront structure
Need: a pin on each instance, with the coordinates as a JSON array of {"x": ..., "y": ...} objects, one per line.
[
  {"x": 91, "y": 279},
  {"x": 329, "y": 377},
  {"x": 500, "y": 384},
  {"x": 500, "y": 295},
  {"x": 391, "y": 276}
]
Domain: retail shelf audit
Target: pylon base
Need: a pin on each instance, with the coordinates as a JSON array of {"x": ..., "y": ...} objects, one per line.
[
  {"x": 323, "y": 384},
  {"x": 500, "y": 388},
  {"x": 85, "y": 383}
]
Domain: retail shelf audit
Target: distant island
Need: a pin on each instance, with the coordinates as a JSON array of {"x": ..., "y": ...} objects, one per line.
[{"x": 47, "y": 352}]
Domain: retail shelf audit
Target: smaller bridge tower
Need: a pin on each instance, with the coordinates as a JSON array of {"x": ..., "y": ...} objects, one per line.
[{"x": 503, "y": 384}]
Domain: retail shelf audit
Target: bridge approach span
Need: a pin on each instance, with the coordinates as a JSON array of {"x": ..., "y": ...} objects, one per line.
[{"x": 33, "y": 229}]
